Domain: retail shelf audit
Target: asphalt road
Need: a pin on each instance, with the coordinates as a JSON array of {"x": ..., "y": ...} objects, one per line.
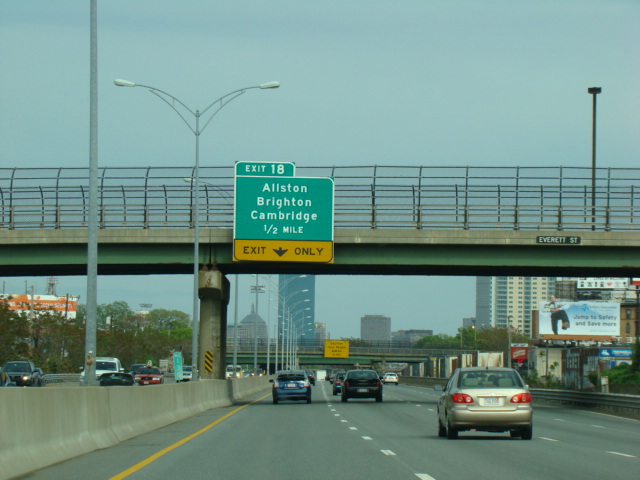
[{"x": 362, "y": 439}]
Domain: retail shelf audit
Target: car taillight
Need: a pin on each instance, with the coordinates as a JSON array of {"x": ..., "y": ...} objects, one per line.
[
  {"x": 461, "y": 398},
  {"x": 521, "y": 398},
  {"x": 346, "y": 383}
]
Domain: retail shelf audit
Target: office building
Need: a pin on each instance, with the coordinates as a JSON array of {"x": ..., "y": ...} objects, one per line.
[
  {"x": 375, "y": 328},
  {"x": 510, "y": 300}
]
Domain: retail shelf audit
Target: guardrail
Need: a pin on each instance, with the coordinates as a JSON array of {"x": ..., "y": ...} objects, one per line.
[
  {"x": 390, "y": 197},
  {"x": 612, "y": 403},
  {"x": 54, "y": 378}
]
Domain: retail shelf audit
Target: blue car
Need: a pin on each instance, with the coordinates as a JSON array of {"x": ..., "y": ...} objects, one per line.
[{"x": 291, "y": 385}]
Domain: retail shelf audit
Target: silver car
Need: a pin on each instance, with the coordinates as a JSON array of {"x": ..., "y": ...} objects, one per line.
[{"x": 488, "y": 399}]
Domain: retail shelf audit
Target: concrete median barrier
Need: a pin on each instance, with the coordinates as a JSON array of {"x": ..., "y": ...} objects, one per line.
[{"x": 44, "y": 426}]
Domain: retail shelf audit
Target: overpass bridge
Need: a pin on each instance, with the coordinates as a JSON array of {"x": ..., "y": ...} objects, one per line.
[{"x": 388, "y": 220}]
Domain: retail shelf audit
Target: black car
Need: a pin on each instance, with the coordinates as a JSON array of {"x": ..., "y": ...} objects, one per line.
[
  {"x": 361, "y": 384},
  {"x": 312, "y": 376},
  {"x": 116, "y": 379},
  {"x": 23, "y": 373}
]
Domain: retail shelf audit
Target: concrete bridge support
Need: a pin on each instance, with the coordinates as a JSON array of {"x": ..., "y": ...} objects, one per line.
[{"x": 213, "y": 291}]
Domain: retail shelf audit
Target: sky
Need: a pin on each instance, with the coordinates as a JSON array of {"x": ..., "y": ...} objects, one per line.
[{"x": 408, "y": 82}]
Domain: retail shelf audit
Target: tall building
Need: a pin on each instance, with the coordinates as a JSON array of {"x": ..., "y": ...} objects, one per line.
[
  {"x": 375, "y": 328},
  {"x": 509, "y": 300},
  {"x": 296, "y": 307}
]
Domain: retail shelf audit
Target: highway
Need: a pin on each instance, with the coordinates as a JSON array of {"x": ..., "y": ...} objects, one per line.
[{"x": 328, "y": 439}]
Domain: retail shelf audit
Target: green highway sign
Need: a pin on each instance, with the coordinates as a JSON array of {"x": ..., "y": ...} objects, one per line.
[
  {"x": 265, "y": 169},
  {"x": 283, "y": 208}
]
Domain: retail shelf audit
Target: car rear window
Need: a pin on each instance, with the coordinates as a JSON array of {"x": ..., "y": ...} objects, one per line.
[
  {"x": 106, "y": 366},
  {"x": 363, "y": 375},
  {"x": 291, "y": 377},
  {"x": 490, "y": 379},
  {"x": 149, "y": 370}
]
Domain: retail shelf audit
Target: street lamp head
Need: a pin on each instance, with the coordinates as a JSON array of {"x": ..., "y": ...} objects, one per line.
[
  {"x": 594, "y": 90},
  {"x": 123, "y": 83},
  {"x": 270, "y": 85}
]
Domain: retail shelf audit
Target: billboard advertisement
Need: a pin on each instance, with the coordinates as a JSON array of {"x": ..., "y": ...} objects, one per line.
[
  {"x": 578, "y": 319},
  {"x": 22, "y": 302}
]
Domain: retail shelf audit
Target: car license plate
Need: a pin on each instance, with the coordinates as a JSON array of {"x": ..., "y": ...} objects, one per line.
[
  {"x": 291, "y": 385},
  {"x": 363, "y": 390},
  {"x": 491, "y": 401},
  {"x": 145, "y": 382}
]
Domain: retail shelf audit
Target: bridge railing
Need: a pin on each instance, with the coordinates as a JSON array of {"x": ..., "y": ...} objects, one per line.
[{"x": 388, "y": 197}]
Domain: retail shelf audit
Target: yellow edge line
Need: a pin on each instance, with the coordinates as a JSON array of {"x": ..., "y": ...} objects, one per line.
[{"x": 179, "y": 443}]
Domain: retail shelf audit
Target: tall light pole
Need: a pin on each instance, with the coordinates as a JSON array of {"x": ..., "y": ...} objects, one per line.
[
  {"x": 219, "y": 103},
  {"x": 91, "y": 344},
  {"x": 593, "y": 91}
]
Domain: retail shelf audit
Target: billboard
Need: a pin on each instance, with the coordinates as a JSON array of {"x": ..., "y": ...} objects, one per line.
[
  {"x": 566, "y": 320},
  {"x": 66, "y": 305}
]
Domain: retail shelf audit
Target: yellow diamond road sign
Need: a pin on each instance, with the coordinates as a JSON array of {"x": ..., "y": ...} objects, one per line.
[{"x": 283, "y": 250}]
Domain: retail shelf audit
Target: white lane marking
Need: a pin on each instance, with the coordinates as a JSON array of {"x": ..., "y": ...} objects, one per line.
[
  {"x": 367, "y": 438},
  {"x": 559, "y": 419},
  {"x": 352, "y": 428},
  {"x": 336, "y": 414},
  {"x": 388, "y": 452},
  {"x": 424, "y": 476},
  {"x": 344, "y": 421},
  {"x": 333, "y": 409},
  {"x": 597, "y": 426},
  {"x": 549, "y": 439},
  {"x": 622, "y": 454}
]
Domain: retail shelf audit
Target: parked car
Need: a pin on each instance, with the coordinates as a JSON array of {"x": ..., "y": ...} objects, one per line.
[
  {"x": 311, "y": 376},
  {"x": 488, "y": 399},
  {"x": 390, "y": 377},
  {"x": 23, "y": 373},
  {"x": 361, "y": 384},
  {"x": 337, "y": 383},
  {"x": 117, "y": 379},
  {"x": 149, "y": 376},
  {"x": 290, "y": 385}
]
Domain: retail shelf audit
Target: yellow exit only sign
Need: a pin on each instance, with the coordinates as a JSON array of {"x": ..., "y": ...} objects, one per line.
[{"x": 283, "y": 251}]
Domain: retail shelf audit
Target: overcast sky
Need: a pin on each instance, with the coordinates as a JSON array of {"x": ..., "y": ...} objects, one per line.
[{"x": 477, "y": 82}]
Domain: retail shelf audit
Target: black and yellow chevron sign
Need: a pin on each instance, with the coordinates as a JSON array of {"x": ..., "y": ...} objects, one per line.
[{"x": 208, "y": 361}]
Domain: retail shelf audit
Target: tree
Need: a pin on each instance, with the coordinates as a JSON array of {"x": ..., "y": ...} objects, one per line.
[{"x": 14, "y": 334}]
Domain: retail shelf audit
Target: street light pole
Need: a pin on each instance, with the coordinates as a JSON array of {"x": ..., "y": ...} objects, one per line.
[
  {"x": 220, "y": 102},
  {"x": 593, "y": 91}
]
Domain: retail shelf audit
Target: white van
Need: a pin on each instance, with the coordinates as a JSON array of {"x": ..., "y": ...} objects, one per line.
[{"x": 105, "y": 365}]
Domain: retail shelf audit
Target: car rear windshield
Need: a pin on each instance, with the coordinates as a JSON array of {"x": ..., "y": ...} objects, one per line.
[
  {"x": 106, "y": 366},
  {"x": 363, "y": 375},
  {"x": 154, "y": 371},
  {"x": 490, "y": 379},
  {"x": 291, "y": 377}
]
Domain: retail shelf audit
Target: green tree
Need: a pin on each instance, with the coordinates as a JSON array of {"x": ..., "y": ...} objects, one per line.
[{"x": 14, "y": 335}]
